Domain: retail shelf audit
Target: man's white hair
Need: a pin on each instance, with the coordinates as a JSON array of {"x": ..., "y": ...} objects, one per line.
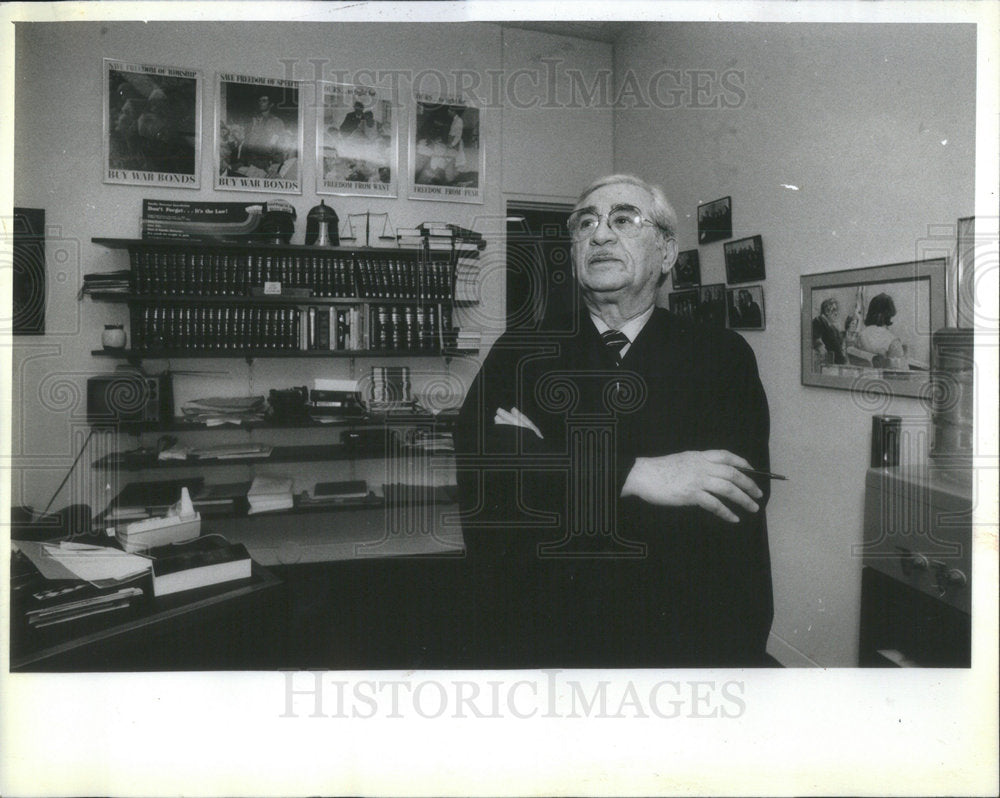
[{"x": 661, "y": 214}]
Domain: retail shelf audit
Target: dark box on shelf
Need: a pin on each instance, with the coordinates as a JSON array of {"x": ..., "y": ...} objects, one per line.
[{"x": 122, "y": 397}]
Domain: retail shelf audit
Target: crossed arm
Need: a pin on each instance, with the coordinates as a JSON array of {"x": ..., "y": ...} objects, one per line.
[{"x": 685, "y": 479}]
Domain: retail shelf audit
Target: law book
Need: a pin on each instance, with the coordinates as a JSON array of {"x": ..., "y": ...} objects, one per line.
[
  {"x": 270, "y": 493},
  {"x": 344, "y": 489},
  {"x": 436, "y": 229},
  {"x": 208, "y": 560},
  {"x": 322, "y": 328},
  {"x": 220, "y": 499}
]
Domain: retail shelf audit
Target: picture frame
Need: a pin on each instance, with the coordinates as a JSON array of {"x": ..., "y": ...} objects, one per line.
[
  {"x": 744, "y": 260},
  {"x": 745, "y": 308},
  {"x": 28, "y": 279},
  {"x": 687, "y": 270},
  {"x": 715, "y": 220},
  {"x": 152, "y": 125},
  {"x": 447, "y": 156},
  {"x": 258, "y": 134},
  {"x": 893, "y": 360},
  {"x": 712, "y": 305},
  {"x": 684, "y": 304},
  {"x": 357, "y": 141}
]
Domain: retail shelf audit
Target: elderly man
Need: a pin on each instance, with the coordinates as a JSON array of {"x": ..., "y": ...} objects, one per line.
[
  {"x": 606, "y": 517},
  {"x": 828, "y": 340}
]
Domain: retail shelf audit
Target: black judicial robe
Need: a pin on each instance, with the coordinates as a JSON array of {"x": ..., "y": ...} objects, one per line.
[{"x": 566, "y": 573}]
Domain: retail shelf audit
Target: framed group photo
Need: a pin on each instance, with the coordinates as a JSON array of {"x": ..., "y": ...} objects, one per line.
[
  {"x": 712, "y": 305},
  {"x": 447, "y": 157},
  {"x": 258, "y": 134},
  {"x": 744, "y": 260},
  {"x": 705, "y": 304},
  {"x": 872, "y": 323},
  {"x": 152, "y": 125},
  {"x": 684, "y": 304},
  {"x": 715, "y": 220},
  {"x": 745, "y": 308},
  {"x": 357, "y": 141}
]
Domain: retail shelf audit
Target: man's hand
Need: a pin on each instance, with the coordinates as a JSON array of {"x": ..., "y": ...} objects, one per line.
[{"x": 694, "y": 479}]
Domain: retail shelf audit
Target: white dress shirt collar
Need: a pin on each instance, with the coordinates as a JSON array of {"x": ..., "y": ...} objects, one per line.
[{"x": 631, "y": 328}]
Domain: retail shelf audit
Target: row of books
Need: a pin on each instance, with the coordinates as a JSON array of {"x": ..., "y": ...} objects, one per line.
[
  {"x": 117, "y": 282},
  {"x": 184, "y": 273},
  {"x": 359, "y": 327}
]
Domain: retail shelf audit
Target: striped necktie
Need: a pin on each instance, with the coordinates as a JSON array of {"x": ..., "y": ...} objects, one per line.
[{"x": 615, "y": 340}]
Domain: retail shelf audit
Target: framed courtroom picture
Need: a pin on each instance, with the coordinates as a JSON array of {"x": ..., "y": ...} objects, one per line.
[
  {"x": 744, "y": 260},
  {"x": 745, "y": 308},
  {"x": 870, "y": 329},
  {"x": 357, "y": 141},
  {"x": 152, "y": 125},
  {"x": 684, "y": 304},
  {"x": 715, "y": 220},
  {"x": 687, "y": 271},
  {"x": 258, "y": 134},
  {"x": 447, "y": 154}
]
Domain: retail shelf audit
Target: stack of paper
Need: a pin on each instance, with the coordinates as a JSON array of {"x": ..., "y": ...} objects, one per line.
[
  {"x": 217, "y": 410},
  {"x": 468, "y": 339},
  {"x": 267, "y": 494},
  {"x": 102, "y": 566}
]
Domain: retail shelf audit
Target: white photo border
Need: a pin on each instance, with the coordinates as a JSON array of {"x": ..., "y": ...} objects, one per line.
[
  {"x": 257, "y": 178},
  {"x": 383, "y": 101},
  {"x": 472, "y": 151},
  {"x": 119, "y": 173}
]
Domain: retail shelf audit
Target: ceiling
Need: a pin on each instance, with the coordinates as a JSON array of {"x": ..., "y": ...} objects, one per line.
[{"x": 597, "y": 31}]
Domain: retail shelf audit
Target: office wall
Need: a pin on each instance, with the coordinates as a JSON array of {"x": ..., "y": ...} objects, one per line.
[
  {"x": 844, "y": 146},
  {"x": 58, "y": 132}
]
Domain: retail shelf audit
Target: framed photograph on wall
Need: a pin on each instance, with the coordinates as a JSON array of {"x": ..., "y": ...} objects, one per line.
[
  {"x": 687, "y": 271},
  {"x": 715, "y": 220},
  {"x": 712, "y": 305},
  {"x": 152, "y": 125},
  {"x": 744, "y": 260},
  {"x": 872, "y": 327},
  {"x": 258, "y": 134},
  {"x": 745, "y": 308},
  {"x": 684, "y": 304},
  {"x": 447, "y": 156},
  {"x": 357, "y": 141}
]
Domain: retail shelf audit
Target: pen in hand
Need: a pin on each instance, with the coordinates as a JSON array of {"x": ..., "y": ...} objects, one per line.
[{"x": 753, "y": 472}]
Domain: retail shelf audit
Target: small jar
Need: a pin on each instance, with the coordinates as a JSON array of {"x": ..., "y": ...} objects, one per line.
[{"x": 113, "y": 336}]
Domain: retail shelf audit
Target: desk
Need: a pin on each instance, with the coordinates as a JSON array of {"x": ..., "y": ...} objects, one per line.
[
  {"x": 916, "y": 582},
  {"x": 223, "y": 627}
]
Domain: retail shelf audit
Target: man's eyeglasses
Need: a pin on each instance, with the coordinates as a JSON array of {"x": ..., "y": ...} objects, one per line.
[{"x": 624, "y": 220}]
